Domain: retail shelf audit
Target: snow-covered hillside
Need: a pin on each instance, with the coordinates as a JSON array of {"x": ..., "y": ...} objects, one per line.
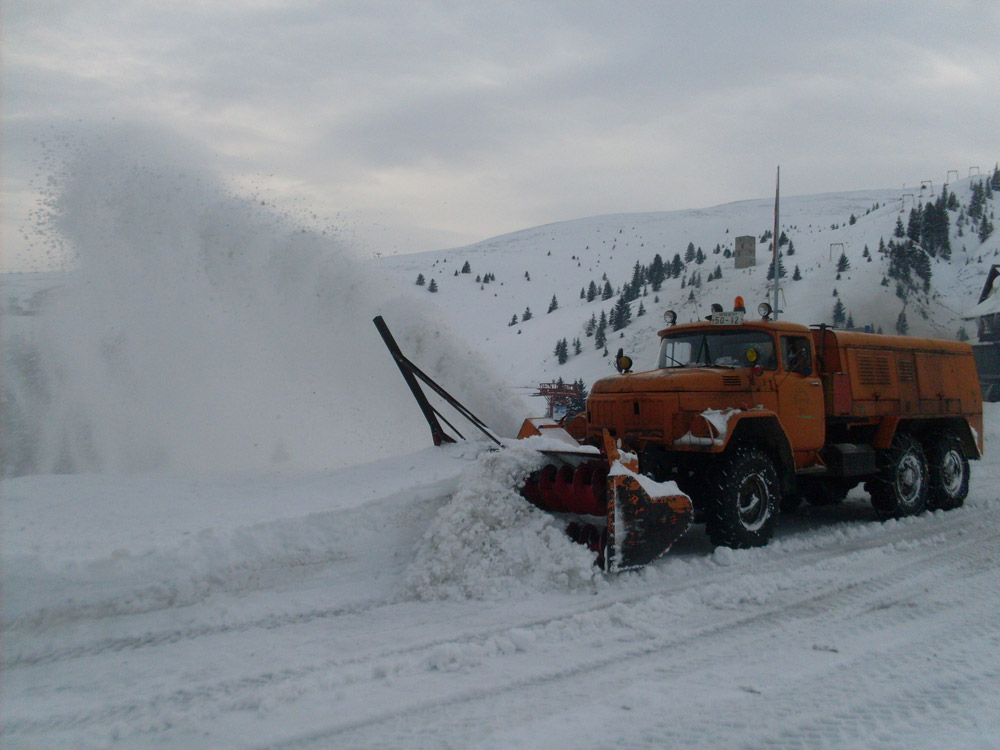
[{"x": 562, "y": 259}]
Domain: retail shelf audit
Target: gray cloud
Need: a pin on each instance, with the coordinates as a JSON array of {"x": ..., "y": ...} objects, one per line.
[{"x": 449, "y": 121}]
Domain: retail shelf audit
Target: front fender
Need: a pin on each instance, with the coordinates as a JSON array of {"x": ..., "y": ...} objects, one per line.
[{"x": 714, "y": 431}]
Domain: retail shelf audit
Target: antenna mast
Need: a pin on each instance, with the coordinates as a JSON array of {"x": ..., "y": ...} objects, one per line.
[{"x": 774, "y": 244}]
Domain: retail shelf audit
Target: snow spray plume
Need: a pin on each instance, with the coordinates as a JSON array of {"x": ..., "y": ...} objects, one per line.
[{"x": 202, "y": 331}]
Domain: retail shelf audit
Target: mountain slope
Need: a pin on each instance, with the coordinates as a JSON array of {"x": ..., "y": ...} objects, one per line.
[{"x": 562, "y": 259}]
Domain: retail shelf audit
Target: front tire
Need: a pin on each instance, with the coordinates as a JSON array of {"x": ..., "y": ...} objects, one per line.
[
  {"x": 901, "y": 488},
  {"x": 949, "y": 473},
  {"x": 743, "y": 507}
]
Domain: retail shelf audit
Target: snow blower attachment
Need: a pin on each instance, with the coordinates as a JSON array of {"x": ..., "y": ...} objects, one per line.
[{"x": 624, "y": 518}]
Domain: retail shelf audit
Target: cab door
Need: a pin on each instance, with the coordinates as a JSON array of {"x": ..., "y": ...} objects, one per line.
[{"x": 800, "y": 397}]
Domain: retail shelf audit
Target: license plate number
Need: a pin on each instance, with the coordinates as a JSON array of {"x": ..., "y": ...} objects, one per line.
[{"x": 734, "y": 318}]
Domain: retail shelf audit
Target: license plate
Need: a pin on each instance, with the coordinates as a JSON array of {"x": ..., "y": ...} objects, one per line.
[{"x": 734, "y": 318}]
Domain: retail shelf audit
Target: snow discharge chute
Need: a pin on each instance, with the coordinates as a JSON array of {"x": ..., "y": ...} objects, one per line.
[{"x": 624, "y": 518}]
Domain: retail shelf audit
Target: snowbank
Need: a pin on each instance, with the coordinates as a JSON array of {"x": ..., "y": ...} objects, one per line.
[{"x": 489, "y": 542}]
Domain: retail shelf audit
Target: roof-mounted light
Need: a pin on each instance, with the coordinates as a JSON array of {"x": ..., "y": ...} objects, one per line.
[
  {"x": 738, "y": 305},
  {"x": 669, "y": 317},
  {"x": 764, "y": 310}
]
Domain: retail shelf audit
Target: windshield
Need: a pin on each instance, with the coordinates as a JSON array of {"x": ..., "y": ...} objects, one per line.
[{"x": 717, "y": 348}]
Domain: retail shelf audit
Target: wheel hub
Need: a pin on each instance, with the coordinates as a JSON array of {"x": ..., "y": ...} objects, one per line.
[
  {"x": 951, "y": 473},
  {"x": 752, "y": 504},
  {"x": 910, "y": 478}
]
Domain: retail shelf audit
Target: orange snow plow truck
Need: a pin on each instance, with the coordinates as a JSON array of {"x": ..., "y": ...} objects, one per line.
[{"x": 743, "y": 418}]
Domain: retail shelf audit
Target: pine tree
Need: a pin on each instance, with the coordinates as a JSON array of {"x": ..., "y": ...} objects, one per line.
[
  {"x": 601, "y": 335},
  {"x": 962, "y": 335},
  {"x": 850, "y": 320},
  {"x": 899, "y": 231},
  {"x": 621, "y": 314},
  {"x": 608, "y": 292},
  {"x": 839, "y": 313},
  {"x": 554, "y": 304},
  {"x": 915, "y": 224},
  {"x": 676, "y": 267},
  {"x": 579, "y": 402},
  {"x": 433, "y": 286},
  {"x": 689, "y": 254},
  {"x": 657, "y": 273},
  {"x": 781, "y": 269},
  {"x": 638, "y": 278},
  {"x": 562, "y": 351},
  {"x": 843, "y": 263},
  {"x": 641, "y": 311},
  {"x": 591, "y": 326},
  {"x": 577, "y": 346},
  {"x": 527, "y": 276},
  {"x": 420, "y": 279},
  {"x": 985, "y": 229},
  {"x": 526, "y": 316},
  {"x": 591, "y": 292},
  {"x": 513, "y": 321},
  {"x": 902, "y": 327},
  {"x": 466, "y": 268},
  {"x": 797, "y": 275}
]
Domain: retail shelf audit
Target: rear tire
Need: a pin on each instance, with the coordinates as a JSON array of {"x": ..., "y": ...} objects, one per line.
[
  {"x": 948, "y": 467},
  {"x": 901, "y": 487},
  {"x": 744, "y": 500}
]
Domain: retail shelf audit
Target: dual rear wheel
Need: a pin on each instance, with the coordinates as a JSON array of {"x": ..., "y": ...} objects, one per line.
[{"x": 915, "y": 476}]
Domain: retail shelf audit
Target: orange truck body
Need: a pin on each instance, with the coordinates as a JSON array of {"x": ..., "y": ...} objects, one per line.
[{"x": 831, "y": 416}]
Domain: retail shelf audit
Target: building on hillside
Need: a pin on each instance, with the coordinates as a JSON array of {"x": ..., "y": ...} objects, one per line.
[
  {"x": 987, "y": 350},
  {"x": 745, "y": 252}
]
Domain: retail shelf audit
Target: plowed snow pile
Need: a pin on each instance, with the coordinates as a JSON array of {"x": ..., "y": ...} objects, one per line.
[{"x": 489, "y": 542}]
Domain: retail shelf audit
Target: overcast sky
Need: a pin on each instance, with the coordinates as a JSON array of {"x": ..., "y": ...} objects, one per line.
[{"x": 422, "y": 125}]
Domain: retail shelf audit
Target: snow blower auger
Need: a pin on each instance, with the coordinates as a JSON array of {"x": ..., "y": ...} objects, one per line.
[{"x": 627, "y": 520}]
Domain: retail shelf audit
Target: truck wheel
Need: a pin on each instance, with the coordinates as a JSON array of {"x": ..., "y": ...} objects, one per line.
[
  {"x": 949, "y": 473},
  {"x": 743, "y": 506},
  {"x": 901, "y": 487}
]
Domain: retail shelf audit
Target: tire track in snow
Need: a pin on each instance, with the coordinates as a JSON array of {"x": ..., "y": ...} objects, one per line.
[
  {"x": 877, "y": 536},
  {"x": 471, "y": 714},
  {"x": 239, "y": 694}
]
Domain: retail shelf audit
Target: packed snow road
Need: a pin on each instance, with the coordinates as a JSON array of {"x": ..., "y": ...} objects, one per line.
[{"x": 416, "y": 603}]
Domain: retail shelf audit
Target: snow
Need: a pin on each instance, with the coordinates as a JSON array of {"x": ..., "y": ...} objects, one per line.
[
  {"x": 222, "y": 525},
  {"x": 415, "y": 602},
  {"x": 719, "y": 420}
]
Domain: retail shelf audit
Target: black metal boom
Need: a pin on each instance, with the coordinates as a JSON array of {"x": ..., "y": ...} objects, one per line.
[{"x": 411, "y": 373}]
